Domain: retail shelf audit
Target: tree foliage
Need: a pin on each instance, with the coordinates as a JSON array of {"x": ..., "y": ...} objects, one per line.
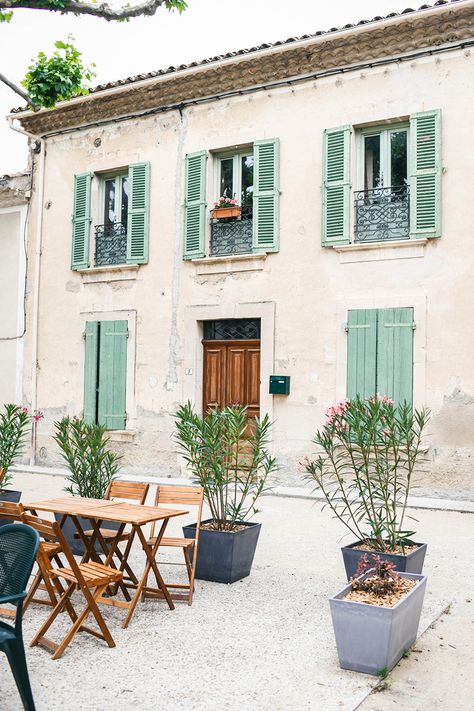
[
  {"x": 59, "y": 77},
  {"x": 93, "y": 8}
]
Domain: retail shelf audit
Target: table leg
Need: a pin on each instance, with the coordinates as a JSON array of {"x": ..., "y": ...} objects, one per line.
[{"x": 150, "y": 552}]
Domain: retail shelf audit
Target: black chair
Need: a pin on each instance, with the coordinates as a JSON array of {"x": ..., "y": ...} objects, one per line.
[{"x": 18, "y": 546}]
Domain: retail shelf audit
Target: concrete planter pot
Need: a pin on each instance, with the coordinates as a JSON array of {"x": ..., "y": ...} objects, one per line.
[
  {"x": 370, "y": 638},
  {"x": 11, "y": 496},
  {"x": 224, "y": 557},
  {"x": 411, "y": 563},
  {"x": 69, "y": 529}
]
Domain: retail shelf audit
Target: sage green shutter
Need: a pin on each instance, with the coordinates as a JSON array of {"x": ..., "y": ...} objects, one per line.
[
  {"x": 91, "y": 370},
  {"x": 395, "y": 354},
  {"x": 425, "y": 174},
  {"x": 336, "y": 187},
  {"x": 195, "y": 205},
  {"x": 266, "y": 195},
  {"x": 81, "y": 220},
  {"x": 361, "y": 352},
  {"x": 138, "y": 213},
  {"x": 112, "y": 374}
]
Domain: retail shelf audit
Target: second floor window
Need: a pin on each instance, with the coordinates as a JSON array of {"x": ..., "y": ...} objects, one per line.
[
  {"x": 248, "y": 176},
  {"x": 391, "y": 191},
  {"x": 111, "y": 231},
  {"x": 120, "y": 234},
  {"x": 381, "y": 201},
  {"x": 233, "y": 234}
]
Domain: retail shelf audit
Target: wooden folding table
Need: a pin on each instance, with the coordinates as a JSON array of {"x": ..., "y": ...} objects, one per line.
[{"x": 135, "y": 515}]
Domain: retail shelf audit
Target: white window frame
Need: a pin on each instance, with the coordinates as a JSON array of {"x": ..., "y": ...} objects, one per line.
[
  {"x": 384, "y": 130},
  {"x": 118, "y": 176},
  {"x": 236, "y": 155}
]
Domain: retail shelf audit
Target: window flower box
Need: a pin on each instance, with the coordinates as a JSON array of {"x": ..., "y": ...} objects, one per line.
[{"x": 223, "y": 213}]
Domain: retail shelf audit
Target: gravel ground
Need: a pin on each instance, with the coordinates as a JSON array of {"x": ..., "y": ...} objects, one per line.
[{"x": 265, "y": 642}]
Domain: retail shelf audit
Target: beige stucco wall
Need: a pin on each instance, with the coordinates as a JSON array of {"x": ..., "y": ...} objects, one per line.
[
  {"x": 302, "y": 293},
  {"x": 12, "y": 265}
]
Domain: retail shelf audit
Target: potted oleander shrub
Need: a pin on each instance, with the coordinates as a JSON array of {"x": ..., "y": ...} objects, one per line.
[
  {"x": 226, "y": 453},
  {"x": 376, "y": 616},
  {"x": 92, "y": 467},
  {"x": 369, "y": 451},
  {"x": 15, "y": 425}
]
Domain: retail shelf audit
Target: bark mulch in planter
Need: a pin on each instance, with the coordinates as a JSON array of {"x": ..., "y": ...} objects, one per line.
[{"x": 403, "y": 586}]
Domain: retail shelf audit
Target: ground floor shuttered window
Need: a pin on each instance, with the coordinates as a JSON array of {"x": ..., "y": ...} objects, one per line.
[
  {"x": 105, "y": 369},
  {"x": 380, "y": 353}
]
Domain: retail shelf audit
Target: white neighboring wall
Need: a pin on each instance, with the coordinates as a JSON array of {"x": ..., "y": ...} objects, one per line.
[{"x": 13, "y": 215}]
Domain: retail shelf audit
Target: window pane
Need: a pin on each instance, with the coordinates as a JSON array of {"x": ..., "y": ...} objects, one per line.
[
  {"x": 124, "y": 210},
  {"x": 398, "y": 158},
  {"x": 247, "y": 181},
  {"x": 226, "y": 185},
  {"x": 372, "y": 176},
  {"x": 109, "y": 202}
]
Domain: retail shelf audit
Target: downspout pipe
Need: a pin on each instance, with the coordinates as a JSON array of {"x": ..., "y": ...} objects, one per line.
[{"x": 36, "y": 280}]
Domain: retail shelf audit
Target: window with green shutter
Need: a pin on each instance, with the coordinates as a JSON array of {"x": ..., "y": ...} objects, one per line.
[
  {"x": 397, "y": 174},
  {"x": 105, "y": 371},
  {"x": 122, "y": 224},
  {"x": 380, "y": 353},
  {"x": 246, "y": 196}
]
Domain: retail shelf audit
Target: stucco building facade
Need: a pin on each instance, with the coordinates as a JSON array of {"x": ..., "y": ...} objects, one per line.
[{"x": 348, "y": 269}]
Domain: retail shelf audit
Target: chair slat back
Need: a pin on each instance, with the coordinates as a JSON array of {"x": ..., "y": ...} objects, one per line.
[
  {"x": 129, "y": 490},
  {"x": 51, "y": 531},
  {"x": 181, "y": 496},
  {"x": 11, "y": 510}
]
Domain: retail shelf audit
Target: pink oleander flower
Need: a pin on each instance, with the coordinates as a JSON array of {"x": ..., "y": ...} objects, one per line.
[
  {"x": 303, "y": 464},
  {"x": 37, "y": 415}
]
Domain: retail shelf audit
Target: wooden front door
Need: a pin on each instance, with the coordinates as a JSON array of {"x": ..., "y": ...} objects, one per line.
[{"x": 232, "y": 375}]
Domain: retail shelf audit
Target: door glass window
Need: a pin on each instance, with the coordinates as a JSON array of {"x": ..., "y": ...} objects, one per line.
[
  {"x": 247, "y": 180},
  {"x": 109, "y": 202},
  {"x": 398, "y": 158},
  {"x": 227, "y": 178},
  {"x": 372, "y": 174}
]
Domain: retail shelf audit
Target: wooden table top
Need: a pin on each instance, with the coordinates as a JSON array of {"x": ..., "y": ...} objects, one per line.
[{"x": 105, "y": 509}]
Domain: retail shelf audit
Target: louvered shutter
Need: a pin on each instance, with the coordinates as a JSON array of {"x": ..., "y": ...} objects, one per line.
[
  {"x": 336, "y": 187},
  {"x": 138, "y": 213},
  {"x": 91, "y": 371},
  {"x": 195, "y": 205},
  {"x": 81, "y": 220},
  {"x": 425, "y": 174},
  {"x": 361, "y": 352},
  {"x": 395, "y": 354},
  {"x": 266, "y": 196},
  {"x": 112, "y": 374}
]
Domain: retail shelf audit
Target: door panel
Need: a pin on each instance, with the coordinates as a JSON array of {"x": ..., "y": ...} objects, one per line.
[
  {"x": 232, "y": 375},
  {"x": 236, "y": 376},
  {"x": 253, "y": 381},
  {"x": 214, "y": 377}
]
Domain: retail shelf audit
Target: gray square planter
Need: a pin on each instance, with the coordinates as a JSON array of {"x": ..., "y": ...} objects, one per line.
[
  {"x": 370, "y": 638},
  {"x": 11, "y": 496},
  {"x": 411, "y": 563},
  {"x": 224, "y": 557}
]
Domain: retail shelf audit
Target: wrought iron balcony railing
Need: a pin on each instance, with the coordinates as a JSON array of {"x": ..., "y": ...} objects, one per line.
[
  {"x": 110, "y": 244},
  {"x": 232, "y": 236},
  {"x": 382, "y": 214}
]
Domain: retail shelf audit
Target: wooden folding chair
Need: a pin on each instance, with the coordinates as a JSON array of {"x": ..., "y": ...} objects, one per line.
[
  {"x": 127, "y": 491},
  {"x": 41, "y": 580},
  {"x": 91, "y": 578},
  {"x": 182, "y": 496}
]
